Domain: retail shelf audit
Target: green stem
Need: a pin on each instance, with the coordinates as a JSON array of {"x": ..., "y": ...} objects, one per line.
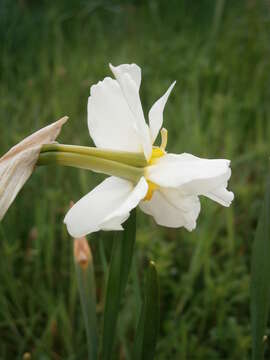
[
  {"x": 87, "y": 291},
  {"x": 129, "y": 158},
  {"x": 93, "y": 163}
]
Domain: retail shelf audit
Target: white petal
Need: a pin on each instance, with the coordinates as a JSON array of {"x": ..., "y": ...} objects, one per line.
[
  {"x": 221, "y": 195},
  {"x": 132, "y": 69},
  {"x": 111, "y": 123},
  {"x": 190, "y": 173},
  {"x": 106, "y": 207},
  {"x": 130, "y": 91},
  {"x": 170, "y": 208},
  {"x": 156, "y": 114}
]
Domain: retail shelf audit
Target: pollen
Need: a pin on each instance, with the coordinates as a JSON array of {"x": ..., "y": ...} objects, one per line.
[{"x": 151, "y": 188}]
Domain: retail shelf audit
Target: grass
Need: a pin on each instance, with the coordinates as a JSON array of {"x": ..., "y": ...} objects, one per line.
[{"x": 51, "y": 52}]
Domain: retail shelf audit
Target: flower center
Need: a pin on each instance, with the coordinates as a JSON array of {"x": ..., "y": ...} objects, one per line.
[{"x": 157, "y": 152}]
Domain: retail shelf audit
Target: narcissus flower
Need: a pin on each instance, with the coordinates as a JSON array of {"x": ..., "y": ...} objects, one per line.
[{"x": 168, "y": 185}]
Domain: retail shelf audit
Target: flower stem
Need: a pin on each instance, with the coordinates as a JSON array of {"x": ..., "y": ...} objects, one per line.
[
  {"x": 89, "y": 162},
  {"x": 129, "y": 158}
]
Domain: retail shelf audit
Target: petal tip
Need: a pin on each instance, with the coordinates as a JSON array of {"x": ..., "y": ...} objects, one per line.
[
  {"x": 63, "y": 120},
  {"x": 112, "y": 67}
]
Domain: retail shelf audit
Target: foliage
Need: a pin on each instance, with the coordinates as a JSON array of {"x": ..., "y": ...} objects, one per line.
[
  {"x": 51, "y": 52},
  {"x": 260, "y": 287}
]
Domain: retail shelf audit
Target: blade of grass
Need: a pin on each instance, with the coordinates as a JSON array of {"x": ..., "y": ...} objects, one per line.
[
  {"x": 148, "y": 326},
  {"x": 87, "y": 289},
  {"x": 260, "y": 279},
  {"x": 102, "y": 255},
  {"x": 120, "y": 263}
]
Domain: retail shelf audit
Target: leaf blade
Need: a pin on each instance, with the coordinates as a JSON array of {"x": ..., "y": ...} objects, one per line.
[
  {"x": 260, "y": 279},
  {"x": 120, "y": 263},
  {"x": 148, "y": 326},
  {"x": 87, "y": 290}
]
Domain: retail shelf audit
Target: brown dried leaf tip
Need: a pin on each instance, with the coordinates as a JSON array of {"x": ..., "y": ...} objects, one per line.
[{"x": 82, "y": 252}]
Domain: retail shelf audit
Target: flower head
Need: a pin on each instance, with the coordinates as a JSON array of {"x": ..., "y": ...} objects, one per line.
[
  {"x": 170, "y": 185},
  {"x": 17, "y": 165}
]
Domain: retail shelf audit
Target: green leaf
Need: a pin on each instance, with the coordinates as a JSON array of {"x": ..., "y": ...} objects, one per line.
[
  {"x": 120, "y": 263},
  {"x": 260, "y": 279},
  {"x": 148, "y": 326},
  {"x": 87, "y": 290}
]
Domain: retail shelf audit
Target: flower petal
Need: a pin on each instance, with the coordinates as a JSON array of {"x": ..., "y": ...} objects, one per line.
[
  {"x": 156, "y": 114},
  {"x": 110, "y": 121},
  {"x": 189, "y": 173},
  {"x": 221, "y": 195},
  {"x": 170, "y": 208},
  {"x": 106, "y": 207},
  {"x": 130, "y": 91},
  {"x": 132, "y": 69}
]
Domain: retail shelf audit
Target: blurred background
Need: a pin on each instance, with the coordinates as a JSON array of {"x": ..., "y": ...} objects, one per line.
[{"x": 51, "y": 53}]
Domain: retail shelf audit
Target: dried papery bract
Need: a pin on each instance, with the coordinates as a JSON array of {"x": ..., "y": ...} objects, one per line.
[
  {"x": 17, "y": 165},
  {"x": 82, "y": 252}
]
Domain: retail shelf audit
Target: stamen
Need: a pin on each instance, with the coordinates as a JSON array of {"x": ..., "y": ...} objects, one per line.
[
  {"x": 164, "y": 138},
  {"x": 151, "y": 188}
]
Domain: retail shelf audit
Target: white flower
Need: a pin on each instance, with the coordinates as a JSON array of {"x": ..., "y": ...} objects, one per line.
[
  {"x": 170, "y": 188},
  {"x": 17, "y": 165}
]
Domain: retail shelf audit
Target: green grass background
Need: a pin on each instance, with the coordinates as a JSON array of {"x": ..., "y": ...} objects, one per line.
[{"x": 51, "y": 52}]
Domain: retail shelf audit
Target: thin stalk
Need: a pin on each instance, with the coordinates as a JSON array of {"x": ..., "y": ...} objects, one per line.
[
  {"x": 93, "y": 163},
  {"x": 87, "y": 289},
  {"x": 129, "y": 158}
]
